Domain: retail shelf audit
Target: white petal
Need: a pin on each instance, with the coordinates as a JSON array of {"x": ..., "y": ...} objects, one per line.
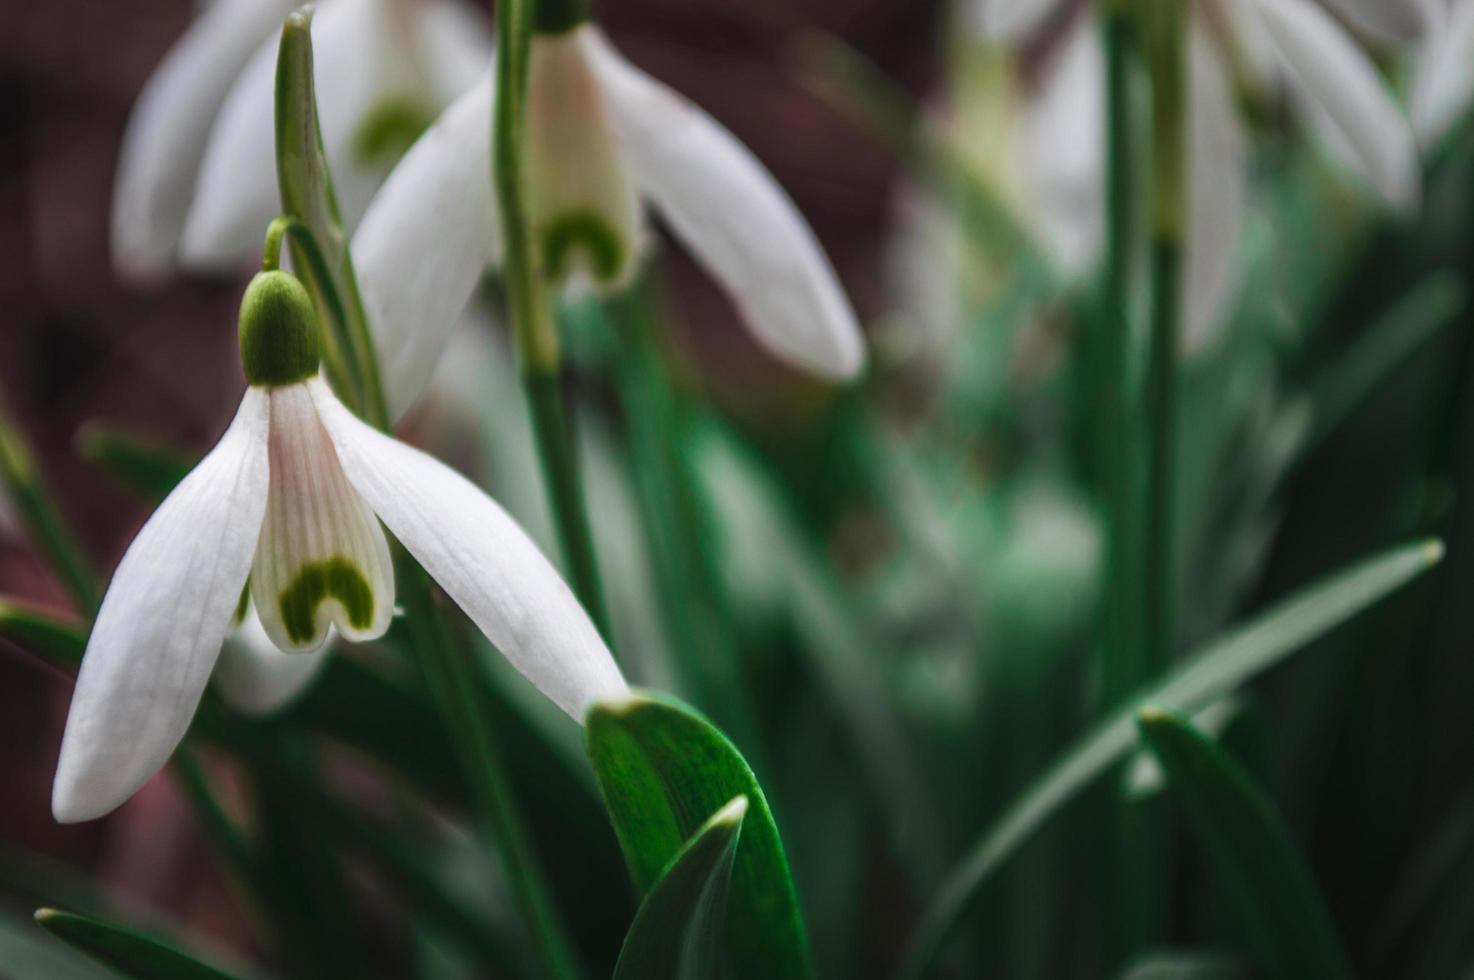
[
  {"x": 323, "y": 559},
  {"x": 581, "y": 201},
  {"x": 1216, "y": 194},
  {"x": 456, "y": 46},
  {"x": 481, "y": 558},
  {"x": 1066, "y": 132},
  {"x": 1331, "y": 72},
  {"x": 1443, "y": 87},
  {"x": 424, "y": 242},
  {"x": 1006, "y": 21},
  {"x": 733, "y": 215},
  {"x": 360, "y": 61},
  {"x": 170, "y": 123},
  {"x": 255, "y": 677},
  {"x": 162, "y": 622},
  {"x": 1390, "y": 20}
]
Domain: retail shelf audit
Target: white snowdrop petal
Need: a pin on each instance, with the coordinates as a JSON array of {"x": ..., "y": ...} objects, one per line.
[
  {"x": 162, "y": 622},
  {"x": 1216, "y": 194},
  {"x": 735, "y": 218},
  {"x": 424, "y": 241},
  {"x": 481, "y": 558},
  {"x": 166, "y": 134},
  {"x": 1006, "y": 21},
  {"x": 1443, "y": 83},
  {"x": 582, "y": 205},
  {"x": 456, "y": 45},
  {"x": 1390, "y": 20},
  {"x": 1329, "y": 71},
  {"x": 255, "y": 677},
  {"x": 360, "y": 63},
  {"x": 323, "y": 559},
  {"x": 1066, "y": 134}
]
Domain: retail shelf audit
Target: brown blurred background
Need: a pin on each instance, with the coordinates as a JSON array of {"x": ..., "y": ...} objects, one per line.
[{"x": 78, "y": 344}]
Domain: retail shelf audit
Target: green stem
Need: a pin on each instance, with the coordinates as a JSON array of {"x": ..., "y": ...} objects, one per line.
[
  {"x": 20, "y": 476},
  {"x": 1112, "y": 360},
  {"x": 1166, "y": 45},
  {"x": 454, "y": 683},
  {"x": 558, "y": 455},
  {"x": 533, "y": 329}
]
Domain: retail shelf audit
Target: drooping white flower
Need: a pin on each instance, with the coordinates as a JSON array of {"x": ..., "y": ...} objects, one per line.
[
  {"x": 198, "y": 160},
  {"x": 290, "y": 502},
  {"x": 1292, "y": 44},
  {"x": 602, "y": 138}
]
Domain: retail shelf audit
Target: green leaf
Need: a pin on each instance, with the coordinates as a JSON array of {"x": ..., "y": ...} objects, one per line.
[
  {"x": 1251, "y": 850},
  {"x": 1212, "y": 672},
  {"x": 27, "y": 953},
  {"x": 1183, "y": 965},
  {"x": 148, "y": 468},
  {"x": 678, "y": 930},
  {"x": 33, "y": 629},
  {"x": 128, "y": 952},
  {"x": 664, "y": 770}
]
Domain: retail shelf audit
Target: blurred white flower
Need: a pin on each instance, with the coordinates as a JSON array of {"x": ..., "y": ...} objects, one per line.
[
  {"x": 1443, "y": 82},
  {"x": 196, "y": 178},
  {"x": 1280, "y": 44},
  {"x": 603, "y": 138},
  {"x": 288, "y": 504}
]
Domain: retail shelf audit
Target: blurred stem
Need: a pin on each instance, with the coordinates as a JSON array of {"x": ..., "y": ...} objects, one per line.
[
  {"x": 25, "y": 490},
  {"x": 1166, "y": 52},
  {"x": 1112, "y": 362},
  {"x": 534, "y": 331},
  {"x": 457, "y": 689}
]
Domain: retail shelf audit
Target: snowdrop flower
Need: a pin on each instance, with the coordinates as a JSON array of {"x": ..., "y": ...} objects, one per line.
[
  {"x": 603, "y": 140},
  {"x": 1294, "y": 44},
  {"x": 284, "y": 513},
  {"x": 196, "y": 178}
]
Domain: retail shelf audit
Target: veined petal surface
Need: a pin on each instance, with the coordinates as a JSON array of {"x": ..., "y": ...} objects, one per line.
[
  {"x": 323, "y": 559},
  {"x": 255, "y": 677},
  {"x": 481, "y": 558},
  {"x": 735, "y": 218},
  {"x": 424, "y": 241},
  {"x": 162, "y": 622},
  {"x": 1336, "y": 78},
  {"x": 166, "y": 134}
]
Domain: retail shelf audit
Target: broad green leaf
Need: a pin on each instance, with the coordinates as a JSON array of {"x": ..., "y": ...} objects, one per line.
[
  {"x": 41, "y": 633},
  {"x": 664, "y": 770},
  {"x": 1183, "y": 965},
  {"x": 677, "y": 933},
  {"x": 1218, "y": 669},
  {"x": 148, "y": 468},
  {"x": 1251, "y": 850},
  {"x": 130, "y": 953}
]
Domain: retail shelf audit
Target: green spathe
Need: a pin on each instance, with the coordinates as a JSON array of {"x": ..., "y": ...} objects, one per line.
[
  {"x": 315, "y": 583},
  {"x": 279, "y": 342}
]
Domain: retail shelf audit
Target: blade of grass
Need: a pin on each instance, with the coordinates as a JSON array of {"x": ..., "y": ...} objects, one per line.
[
  {"x": 130, "y": 953},
  {"x": 1217, "y": 669}
]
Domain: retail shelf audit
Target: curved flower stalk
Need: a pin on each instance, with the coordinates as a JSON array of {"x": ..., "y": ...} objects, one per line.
[
  {"x": 287, "y": 506},
  {"x": 1265, "y": 45},
  {"x": 603, "y": 141},
  {"x": 196, "y": 178}
]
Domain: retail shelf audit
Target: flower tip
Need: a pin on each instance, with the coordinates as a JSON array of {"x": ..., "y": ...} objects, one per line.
[
  {"x": 732, "y": 812},
  {"x": 73, "y": 801},
  {"x": 1433, "y": 551}
]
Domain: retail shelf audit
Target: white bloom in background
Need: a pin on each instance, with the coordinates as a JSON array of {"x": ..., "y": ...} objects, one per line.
[
  {"x": 1292, "y": 44},
  {"x": 1443, "y": 82},
  {"x": 290, "y": 501},
  {"x": 196, "y": 178},
  {"x": 603, "y": 139}
]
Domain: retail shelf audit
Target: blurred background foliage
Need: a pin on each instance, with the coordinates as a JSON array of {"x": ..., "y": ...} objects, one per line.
[{"x": 887, "y": 595}]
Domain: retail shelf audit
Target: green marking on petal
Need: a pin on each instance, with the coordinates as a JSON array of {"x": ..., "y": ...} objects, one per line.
[
  {"x": 389, "y": 129},
  {"x": 587, "y": 232},
  {"x": 315, "y": 583},
  {"x": 242, "y": 604}
]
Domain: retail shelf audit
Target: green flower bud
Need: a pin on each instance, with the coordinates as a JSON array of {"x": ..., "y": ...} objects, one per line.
[
  {"x": 279, "y": 342},
  {"x": 559, "y": 16}
]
